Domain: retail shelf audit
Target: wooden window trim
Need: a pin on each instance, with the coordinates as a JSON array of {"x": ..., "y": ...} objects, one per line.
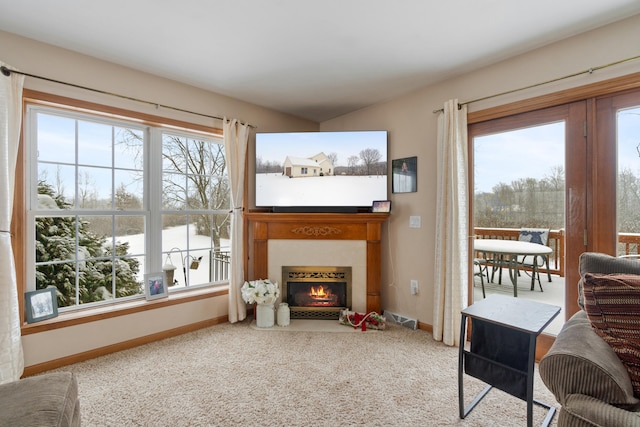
[{"x": 71, "y": 104}]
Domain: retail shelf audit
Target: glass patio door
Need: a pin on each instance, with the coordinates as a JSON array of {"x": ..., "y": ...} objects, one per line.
[
  {"x": 628, "y": 180},
  {"x": 528, "y": 171},
  {"x": 616, "y": 159}
]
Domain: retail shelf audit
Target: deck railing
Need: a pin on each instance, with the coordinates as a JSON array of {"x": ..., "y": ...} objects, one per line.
[
  {"x": 556, "y": 242},
  {"x": 220, "y": 261},
  {"x": 628, "y": 243}
]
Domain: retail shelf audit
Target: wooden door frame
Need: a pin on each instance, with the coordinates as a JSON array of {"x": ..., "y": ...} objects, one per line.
[
  {"x": 600, "y": 190},
  {"x": 603, "y": 161},
  {"x": 574, "y": 116}
]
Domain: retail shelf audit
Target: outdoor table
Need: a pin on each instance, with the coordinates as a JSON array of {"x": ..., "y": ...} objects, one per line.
[{"x": 510, "y": 249}]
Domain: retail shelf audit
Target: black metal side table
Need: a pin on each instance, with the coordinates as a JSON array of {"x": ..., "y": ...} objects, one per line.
[{"x": 503, "y": 348}]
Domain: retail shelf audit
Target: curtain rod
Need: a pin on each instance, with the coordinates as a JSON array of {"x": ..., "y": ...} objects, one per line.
[
  {"x": 7, "y": 72},
  {"x": 589, "y": 71}
]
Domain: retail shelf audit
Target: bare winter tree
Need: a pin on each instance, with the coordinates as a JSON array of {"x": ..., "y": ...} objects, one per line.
[
  {"x": 370, "y": 156},
  {"x": 333, "y": 157},
  {"x": 628, "y": 201},
  {"x": 525, "y": 202},
  {"x": 352, "y": 163},
  {"x": 195, "y": 178},
  {"x": 267, "y": 166},
  {"x": 87, "y": 191},
  {"x": 59, "y": 184},
  {"x": 555, "y": 179}
]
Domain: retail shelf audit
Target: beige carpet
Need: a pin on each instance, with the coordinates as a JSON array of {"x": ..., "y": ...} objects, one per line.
[
  {"x": 311, "y": 325},
  {"x": 236, "y": 375}
]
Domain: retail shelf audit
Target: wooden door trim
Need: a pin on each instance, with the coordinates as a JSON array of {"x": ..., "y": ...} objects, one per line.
[{"x": 580, "y": 93}]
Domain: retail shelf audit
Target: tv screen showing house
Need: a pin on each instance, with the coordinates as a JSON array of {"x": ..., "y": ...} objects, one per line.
[{"x": 321, "y": 169}]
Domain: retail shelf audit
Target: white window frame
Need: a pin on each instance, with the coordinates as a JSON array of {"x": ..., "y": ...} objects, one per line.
[{"x": 151, "y": 210}]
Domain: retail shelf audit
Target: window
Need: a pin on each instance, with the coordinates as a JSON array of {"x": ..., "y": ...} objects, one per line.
[{"x": 110, "y": 199}]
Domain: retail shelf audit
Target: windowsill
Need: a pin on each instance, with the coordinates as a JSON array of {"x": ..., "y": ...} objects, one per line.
[{"x": 78, "y": 317}]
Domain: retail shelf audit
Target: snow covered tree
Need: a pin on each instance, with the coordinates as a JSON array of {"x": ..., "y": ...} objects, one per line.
[{"x": 60, "y": 238}]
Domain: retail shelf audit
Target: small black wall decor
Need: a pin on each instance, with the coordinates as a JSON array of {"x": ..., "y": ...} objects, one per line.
[{"x": 404, "y": 174}]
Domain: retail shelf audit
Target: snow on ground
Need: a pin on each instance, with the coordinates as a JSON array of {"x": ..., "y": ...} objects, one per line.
[
  {"x": 176, "y": 237},
  {"x": 275, "y": 189},
  {"x": 405, "y": 183}
]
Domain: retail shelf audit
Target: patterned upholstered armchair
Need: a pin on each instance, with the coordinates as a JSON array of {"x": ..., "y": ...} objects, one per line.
[{"x": 584, "y": 370}]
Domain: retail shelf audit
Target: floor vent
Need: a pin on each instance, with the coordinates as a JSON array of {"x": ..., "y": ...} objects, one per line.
[{"x": 401, "y": 320}]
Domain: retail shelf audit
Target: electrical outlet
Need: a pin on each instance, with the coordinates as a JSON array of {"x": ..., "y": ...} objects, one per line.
[
  {"x": 415, "y": 222},
  {"x": 414, "y": 287}
]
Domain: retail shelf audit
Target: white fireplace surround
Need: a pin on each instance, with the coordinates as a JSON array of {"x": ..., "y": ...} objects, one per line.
[{"x": 331, "y": 253}]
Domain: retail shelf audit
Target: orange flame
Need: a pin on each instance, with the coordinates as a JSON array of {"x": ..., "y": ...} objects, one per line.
[{"x": 320, "y": 292}]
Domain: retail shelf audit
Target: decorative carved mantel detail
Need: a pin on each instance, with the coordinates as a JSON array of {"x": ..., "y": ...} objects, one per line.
[
  {"x": 327, "y": 226},
  {"x": 316, "y": 230}
]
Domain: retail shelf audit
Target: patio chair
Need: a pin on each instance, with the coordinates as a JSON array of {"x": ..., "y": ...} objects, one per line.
[
  {"x": 480, "y": 268},
  {"x": 534, "y": 262}
]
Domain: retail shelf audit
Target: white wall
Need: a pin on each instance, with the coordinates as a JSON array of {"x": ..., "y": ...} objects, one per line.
[
  {"x": 41, "y": 59},
  {"x": 342, "y": 253},
  {"x": 412, "y": 132}
]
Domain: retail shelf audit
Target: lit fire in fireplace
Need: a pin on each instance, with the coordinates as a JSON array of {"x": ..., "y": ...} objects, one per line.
[
  {"x": 320, "y": 293},
  {"x": 316, "y": 292},
  {"x": 316, "y": 296}
]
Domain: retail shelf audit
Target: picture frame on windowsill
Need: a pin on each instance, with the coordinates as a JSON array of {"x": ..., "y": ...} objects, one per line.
[
  {"x": 155, "y": 286},
  {"x": 41, "y": 304}
]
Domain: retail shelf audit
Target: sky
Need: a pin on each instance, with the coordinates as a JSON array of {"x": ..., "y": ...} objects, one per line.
[
  {"x": 534, "y": 152},
  {"x": 57, "y": 143},
  {"x": 498, "y": 158},
  {"x": 524, "y": 153},
  {"x": 629, "y": 140},
  {"x": 277, "y": 146}
]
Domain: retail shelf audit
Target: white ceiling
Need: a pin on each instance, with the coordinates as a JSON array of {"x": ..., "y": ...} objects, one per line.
[{"x": 313, "y": 59}]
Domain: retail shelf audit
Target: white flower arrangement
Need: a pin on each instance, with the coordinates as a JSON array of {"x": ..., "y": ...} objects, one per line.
[{"x": 260, "y": 291}]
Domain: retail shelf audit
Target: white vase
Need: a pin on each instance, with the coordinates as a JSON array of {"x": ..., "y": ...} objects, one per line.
[
  {"x": 284, "y": 314},
  {"x": 265, "y": 315}
]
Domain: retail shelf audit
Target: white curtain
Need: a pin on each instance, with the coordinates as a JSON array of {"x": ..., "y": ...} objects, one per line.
[
  {"x": 11, "y": 358},
  {"x": 236, "y": 136},
  {"x": 451, "y": 263}
]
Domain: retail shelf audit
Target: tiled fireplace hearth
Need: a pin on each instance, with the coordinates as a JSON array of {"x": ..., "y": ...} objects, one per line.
[{"x": 279, "y": 240}]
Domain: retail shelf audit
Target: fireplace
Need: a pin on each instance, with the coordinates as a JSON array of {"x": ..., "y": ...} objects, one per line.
[{"x": 316, "y": 292}]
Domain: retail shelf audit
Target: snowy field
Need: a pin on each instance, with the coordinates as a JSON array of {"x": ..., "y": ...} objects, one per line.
[
  {"x": 176, "y": 237},
  {"x": 405, "y": 183},
  {"x": 280, "y": 190}
]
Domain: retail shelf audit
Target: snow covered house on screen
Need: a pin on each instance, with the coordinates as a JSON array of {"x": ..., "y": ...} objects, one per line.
[{"x": 318, "y": 165}]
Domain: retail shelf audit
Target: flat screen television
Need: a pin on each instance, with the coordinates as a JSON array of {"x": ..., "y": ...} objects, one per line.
[{"x": 320, "y": 171}]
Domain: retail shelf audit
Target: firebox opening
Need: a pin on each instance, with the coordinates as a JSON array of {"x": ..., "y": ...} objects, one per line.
[{"x": 316, "y": 292}]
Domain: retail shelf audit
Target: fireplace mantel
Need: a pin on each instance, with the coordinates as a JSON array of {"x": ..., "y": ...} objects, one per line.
[{"x": 317, "y": 226}]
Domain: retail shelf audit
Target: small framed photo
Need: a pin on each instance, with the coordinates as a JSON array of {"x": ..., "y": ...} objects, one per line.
[
  {"x": 404, "y": 175},
  {"x": 381, "y": 206},
  {"x": 41, "y": 304},
  {"x": 154, "y": 286}
]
